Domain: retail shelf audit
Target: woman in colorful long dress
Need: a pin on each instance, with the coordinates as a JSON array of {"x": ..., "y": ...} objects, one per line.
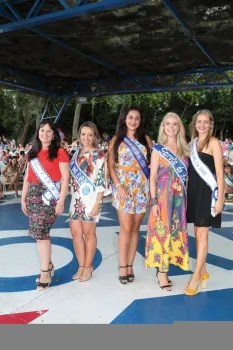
[
  {"x": 44, "y": 191},
  {"x": 167, "y": 235},
  {"x": 205, "y": 192},
  {"x": 87, "y": 190},
  {"x": 128, "y": 163}
]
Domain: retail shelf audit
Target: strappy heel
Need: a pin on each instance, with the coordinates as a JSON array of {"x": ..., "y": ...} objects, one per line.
[
  {"x": 163, "y": 287},
  {"x": 44, "y": 285},
  {"x": 76, "y": 277},
  {"x": 85, "y": 279},
  {"x": 51, "y": 272},
  {"x": 130, "y": 276},
  {"x": 123, "y": 279}
]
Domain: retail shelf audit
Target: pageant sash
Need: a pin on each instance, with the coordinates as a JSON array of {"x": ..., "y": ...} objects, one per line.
[
  {"x": 137, "y": 153},
  {"x": 205, "y": 173},
  {"x": 177, "y": 164},
  {"x": 53, "y": 188},
  {"x": 87, "y": 187},
  {"x": 228, "y": 181}
]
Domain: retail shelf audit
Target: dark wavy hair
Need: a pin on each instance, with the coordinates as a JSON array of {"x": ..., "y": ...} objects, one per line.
[
  {"x": 121, "y": 131},
  {"x": 37, "y": 146}
]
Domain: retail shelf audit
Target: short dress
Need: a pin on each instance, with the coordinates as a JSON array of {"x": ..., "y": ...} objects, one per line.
[
  {"x": 41, "y": 215},
  {"x": 92, "y": 164},
  {"x": 167, "y": 235},
  {"x": 135, "y": 182},
  {"x": 199, "y": 196}
]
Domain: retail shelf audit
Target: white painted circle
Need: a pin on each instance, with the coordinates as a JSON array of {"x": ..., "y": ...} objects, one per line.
[{"x": 17, "y": 260}]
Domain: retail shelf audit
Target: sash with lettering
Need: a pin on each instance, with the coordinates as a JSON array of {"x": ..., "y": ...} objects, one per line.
[
  {"x": 53, "y": 188},
  {"x": 205, "y": 173},
  {"x": 87, "y": 187},
  {"x": 137, "y": 153},
  {"x": 177, "y": 164},
  {"x": 228, "y": 181}
]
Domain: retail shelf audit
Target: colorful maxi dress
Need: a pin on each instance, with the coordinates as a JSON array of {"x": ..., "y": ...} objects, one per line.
[
  {"x": 167, "y": 235},
  {"x": 135, "y": 182},
  {"x": 92, "y": 164}
]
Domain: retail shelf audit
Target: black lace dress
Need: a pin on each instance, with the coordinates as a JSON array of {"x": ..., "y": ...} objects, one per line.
[{"x": 199, "y": 196}]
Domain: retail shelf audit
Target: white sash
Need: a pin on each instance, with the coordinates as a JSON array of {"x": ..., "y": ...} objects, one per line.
[
  {"x": 205, "y": 173},
  {"x": 53, "y": 188},
  {"x": 228, "y": 181},
  {"x": 87, "y": 187}
]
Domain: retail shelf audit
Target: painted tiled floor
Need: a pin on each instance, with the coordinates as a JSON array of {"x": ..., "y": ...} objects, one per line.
[{"x": 103, "y": 299}]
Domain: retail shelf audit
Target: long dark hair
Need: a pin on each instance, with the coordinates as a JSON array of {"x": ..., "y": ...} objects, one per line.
[
  {"x": 37, "y": 146},
  {"x": 121, "y": 131}
]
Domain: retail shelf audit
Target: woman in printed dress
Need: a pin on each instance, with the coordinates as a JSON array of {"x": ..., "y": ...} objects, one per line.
[
  {"x": 167, "y": 236},
  {"x": 55, "y": 162},
  {"x": 85, "y": 210},
  {"x": 130, "y": 186}
]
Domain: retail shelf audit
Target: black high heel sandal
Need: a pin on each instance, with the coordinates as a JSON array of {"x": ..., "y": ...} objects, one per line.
[
  {"x": 51, "y": 272},
  {"x": 167, "y": 285},
  {"x": 130, "y": 276},
  {"x": 123, "y": 279},
  {"x": 43, "y": 286}
]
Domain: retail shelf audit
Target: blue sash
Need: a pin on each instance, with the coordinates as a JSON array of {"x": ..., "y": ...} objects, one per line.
[
  {"x": 137, "y": 153},
  {"x": 176, "y": 163},
  {"x": 87, "y": 187}
]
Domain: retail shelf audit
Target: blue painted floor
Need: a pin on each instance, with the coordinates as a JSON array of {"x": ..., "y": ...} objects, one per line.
[{"x": 103, "y": 299}]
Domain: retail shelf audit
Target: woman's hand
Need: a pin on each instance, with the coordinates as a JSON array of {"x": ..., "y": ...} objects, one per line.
[
  {"x": 218, "y": 207},
  {"x": 24, "y": 206},
  {"x": 59, "y": 208},
  {"x": 122, "y": 192},
  {"x": 95, "y": 210},
  {"x": 156, "y": 210}
]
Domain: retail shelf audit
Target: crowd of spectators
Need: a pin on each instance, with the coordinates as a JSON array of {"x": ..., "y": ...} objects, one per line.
[
  {"x": 13, "y": 160},
  {"x": 227, "y": 148}
]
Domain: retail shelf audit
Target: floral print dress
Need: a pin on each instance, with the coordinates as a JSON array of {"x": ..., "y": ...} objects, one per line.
[
  {"x": 135, "y": 182},
  {"x": 92, "y": 164},
  {"x": 167, "y": 235}
]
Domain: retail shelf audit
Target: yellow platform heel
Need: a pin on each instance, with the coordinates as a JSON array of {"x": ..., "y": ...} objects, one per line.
[
  {"x": 204, "y": 280},
  {"x": 192, "y": 292}
]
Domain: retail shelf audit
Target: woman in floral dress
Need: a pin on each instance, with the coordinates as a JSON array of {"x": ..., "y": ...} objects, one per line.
[
  {"x": 128, "y": 149},
  {"x": 86, "y": 198},
  {"x": 167, "y": 236}
]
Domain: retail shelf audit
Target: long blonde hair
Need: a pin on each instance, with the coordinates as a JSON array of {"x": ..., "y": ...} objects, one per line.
[
  {"x": 193, "y": 130},
  {"x": 91, "y": 125},
  {"x": 182, "y": 145}
]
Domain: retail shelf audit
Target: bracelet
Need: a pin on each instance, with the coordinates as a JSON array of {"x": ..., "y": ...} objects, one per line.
[
  {"x": 118, "y": 185},
  {"x": 99, "y": 201},
  {"x": 153, "y": 201}
]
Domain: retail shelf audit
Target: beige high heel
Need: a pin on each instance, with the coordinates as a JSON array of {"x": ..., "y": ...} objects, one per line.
[
  {"x": 85, "y": 279},
  {"x": 76, "y": 277}
]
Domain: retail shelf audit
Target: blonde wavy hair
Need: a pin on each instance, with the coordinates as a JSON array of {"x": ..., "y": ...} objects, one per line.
[
  {"x": 193, "y": 130},
  {"x": 91, "y": 125},
  {"x": 182, "y": 145}
]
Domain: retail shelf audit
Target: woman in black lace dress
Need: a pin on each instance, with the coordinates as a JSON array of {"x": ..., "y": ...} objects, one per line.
[{"x": 209, "y": 152}]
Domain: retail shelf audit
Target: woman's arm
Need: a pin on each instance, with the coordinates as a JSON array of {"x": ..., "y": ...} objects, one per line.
[
  {"x": 24, "y": 193},
  {"x": 216, "y": 150},
  {"x": 149, "y": 141},
  {"x": 112, "y": 170},
  {"x": 65, "y": 177},
  {"x": 5, "y": 170},
  {"x": 153, "y": 181}
]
